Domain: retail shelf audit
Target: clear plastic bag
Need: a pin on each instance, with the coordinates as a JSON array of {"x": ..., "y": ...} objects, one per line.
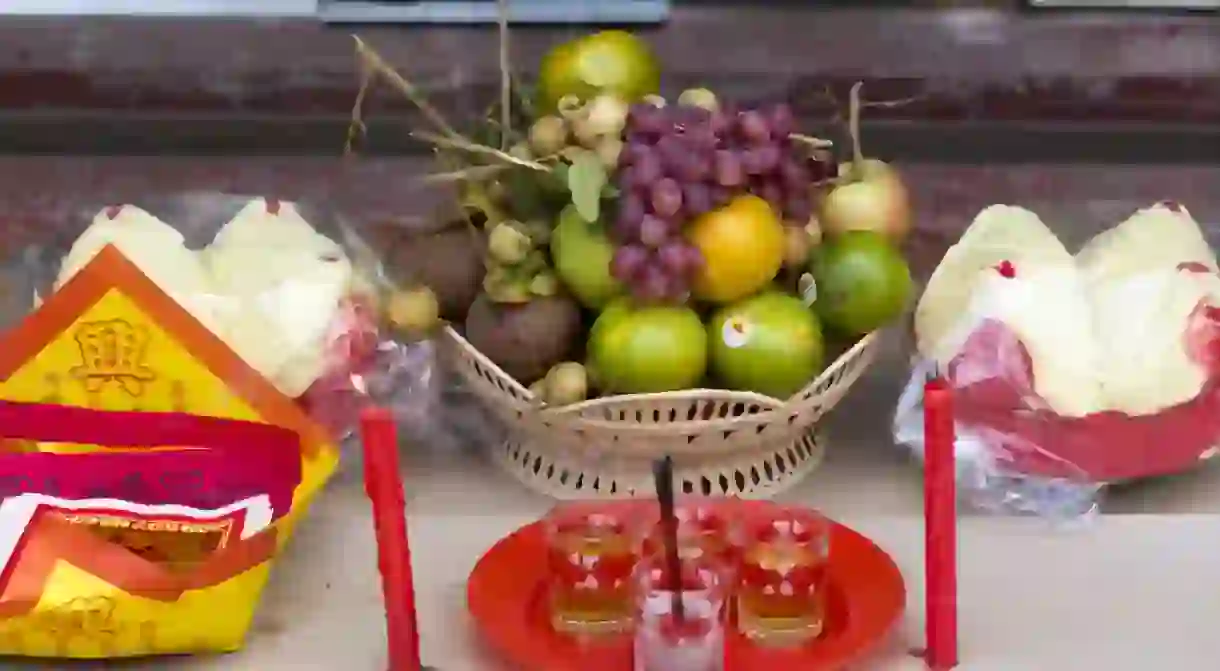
[
  {"x": 291, "y": 288},
  {"x": 1070, "y": 372}
]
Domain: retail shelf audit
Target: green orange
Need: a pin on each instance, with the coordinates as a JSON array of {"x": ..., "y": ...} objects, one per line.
[
  {"x": 770, "y": 344},
  {"x": 610, "y": 61},
  {"x": 646, "y": 349},
  {"x": 862, "y": 282}
]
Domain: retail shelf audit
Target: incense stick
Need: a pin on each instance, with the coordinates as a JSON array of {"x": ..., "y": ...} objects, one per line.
[{"x": 663, "y": 476}]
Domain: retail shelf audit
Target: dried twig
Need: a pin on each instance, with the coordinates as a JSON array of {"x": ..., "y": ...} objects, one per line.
[
  {"x": 827, "y": 94},
  {"x": 853, "y": 123},
  {"x": 468, "y": 146},
  {"x": 524, "y": 104},
  {"x": 482, "y": 171},
  {"x": 449, "y": 138},
  {"x": 473, "y": 172},
  {"x": 891, "y": 104},
  {"x": 447, "y": 161},
  {"x": 375, "y": 63},
  {"x": 356, "y": 129},
  {"x": 506, "y": 84}
]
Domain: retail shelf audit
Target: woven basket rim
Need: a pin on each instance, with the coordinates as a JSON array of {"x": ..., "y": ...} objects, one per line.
[
  {"x": 566, "y": 451},
  {"x": 580, "y": 412}
]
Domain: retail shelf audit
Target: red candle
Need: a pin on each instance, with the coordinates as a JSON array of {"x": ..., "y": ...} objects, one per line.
[
  {"x": 383, "y": 484},
  {"x": 940, "y": 526}
]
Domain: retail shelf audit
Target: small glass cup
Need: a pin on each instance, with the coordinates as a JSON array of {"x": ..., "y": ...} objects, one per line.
[
  {"x": 781, "y": 591},
  {"x": 592, "y": 550},
  {"x": 706, "y": 528},
  {"x": 694, "y": 643}
]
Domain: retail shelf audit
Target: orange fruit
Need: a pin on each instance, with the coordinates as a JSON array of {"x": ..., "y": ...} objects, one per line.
[{"x": 743, "y": 248}]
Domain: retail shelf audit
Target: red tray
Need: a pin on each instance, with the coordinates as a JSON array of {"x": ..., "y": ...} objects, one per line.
[{"x": 507, "y": 589}]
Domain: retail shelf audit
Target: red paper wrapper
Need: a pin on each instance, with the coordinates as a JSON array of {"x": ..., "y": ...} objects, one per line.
[{"x": 1101, "y": 447}]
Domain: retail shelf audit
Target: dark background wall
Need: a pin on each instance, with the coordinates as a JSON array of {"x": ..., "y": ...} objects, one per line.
[
  {"x": 1083, "y": 117},
  {"x": 1067, "y": 84}
]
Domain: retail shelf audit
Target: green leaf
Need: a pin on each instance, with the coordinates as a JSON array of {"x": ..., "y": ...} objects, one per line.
[{"x": 586, "y": 178}]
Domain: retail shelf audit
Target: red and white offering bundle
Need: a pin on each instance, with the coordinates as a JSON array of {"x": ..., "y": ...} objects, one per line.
[{"x": 1071, "y": 371}]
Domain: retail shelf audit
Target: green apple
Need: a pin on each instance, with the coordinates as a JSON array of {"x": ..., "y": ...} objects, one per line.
[{"x": 582, "y": 252}]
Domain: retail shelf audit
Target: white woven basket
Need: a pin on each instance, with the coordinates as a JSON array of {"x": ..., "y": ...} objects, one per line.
[{"x": 722, "y": 442}]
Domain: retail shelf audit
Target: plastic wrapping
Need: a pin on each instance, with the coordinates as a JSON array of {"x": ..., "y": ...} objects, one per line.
[
  {"x": 433, "y": 409},
  {"x": 1070, "y": 372},
  {"x": 290, "y": 287}
]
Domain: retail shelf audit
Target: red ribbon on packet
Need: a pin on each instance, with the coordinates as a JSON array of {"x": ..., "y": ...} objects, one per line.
[
  {"x": 69, "y": 424},
  {"x": 204, "y": 479},
  {"x": 221, "y": 461}
]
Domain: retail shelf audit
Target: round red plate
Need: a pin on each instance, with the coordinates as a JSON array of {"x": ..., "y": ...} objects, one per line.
[{"x": 507, "y": 589}]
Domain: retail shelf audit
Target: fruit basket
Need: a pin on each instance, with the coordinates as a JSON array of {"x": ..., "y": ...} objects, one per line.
[
  {"x": 626, "y": 276},
  {"x": 723, "y": 442}
]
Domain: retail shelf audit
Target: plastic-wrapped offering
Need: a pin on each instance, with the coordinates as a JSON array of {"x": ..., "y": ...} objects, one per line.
[
  {"x": 1071, "y": 372},
  {"x": 288, "y": 285},
  {"x": 291, "y": 290},
  {"x": 268, "y": 284}
]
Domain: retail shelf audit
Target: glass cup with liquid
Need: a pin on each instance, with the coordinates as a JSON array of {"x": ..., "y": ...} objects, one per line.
[
  {"x": 781, "y": 587},
  {"x": 693, "y": 640},
  {"x": 592, "y": 552},
  {"x": 707, "y": 527}
]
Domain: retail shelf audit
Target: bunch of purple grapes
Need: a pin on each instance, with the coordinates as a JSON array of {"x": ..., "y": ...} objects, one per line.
[
  {"x": 682, "y": 161},
  {"x": 664, "y": 180},
  {"x": 760, "y": 157}
]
